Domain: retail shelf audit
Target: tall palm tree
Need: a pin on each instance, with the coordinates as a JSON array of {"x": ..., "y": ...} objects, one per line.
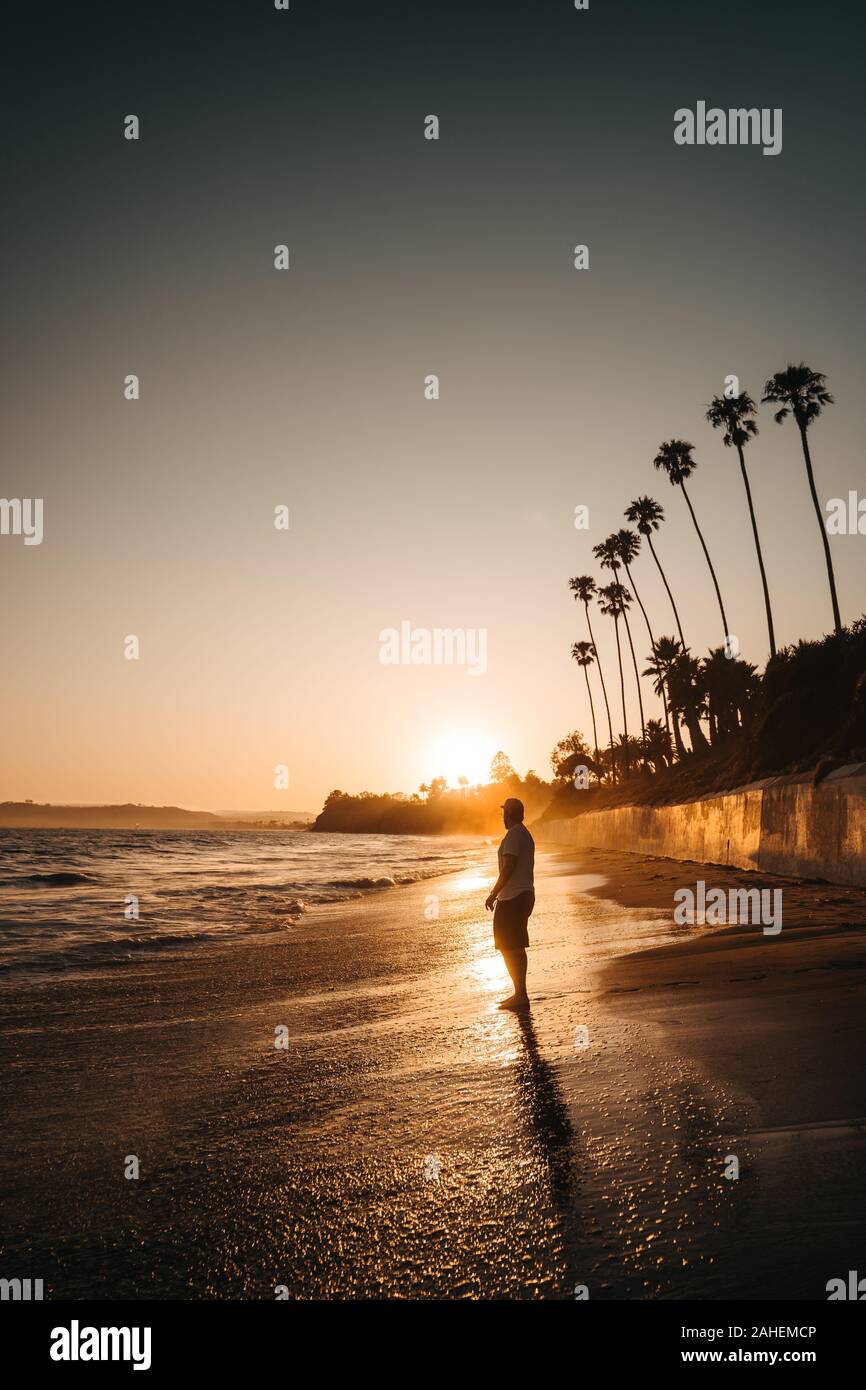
[
  {"x": 608, "y": 554},
  {"x": 734, "y": 415},
  {"x": 584, "y": 655},
  {"x": 664, "y": 654},
  {"x": 583, "y": 588},
  {"x": 802, "y": 393},
  {"x": 627, "y": 546},
  {"x": 611, "y": 604},
  {"x": 675, "y": 458},
  {"x": 647, "y": 515}
]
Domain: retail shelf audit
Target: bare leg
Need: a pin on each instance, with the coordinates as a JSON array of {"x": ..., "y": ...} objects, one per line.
[{"x": 515, "y": 963}]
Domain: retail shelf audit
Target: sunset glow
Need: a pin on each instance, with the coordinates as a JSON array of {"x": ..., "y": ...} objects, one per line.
[{"x": 460, "y": 753}]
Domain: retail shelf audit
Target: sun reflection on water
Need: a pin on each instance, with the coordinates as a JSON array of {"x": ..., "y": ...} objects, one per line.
[
  {"x": 472, "y": 883},
  {"x": 487, "y": 972}
]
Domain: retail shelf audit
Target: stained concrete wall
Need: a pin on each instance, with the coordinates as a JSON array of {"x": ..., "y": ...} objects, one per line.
[{"x": 783, "y": 825}]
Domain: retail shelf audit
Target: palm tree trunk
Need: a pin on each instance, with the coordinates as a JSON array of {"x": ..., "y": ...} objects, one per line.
[
  {"x": 622, "y": 688},
  {"x": 637, "y": 678},
  {"x": 592, "y": 711},
  {"x": 713, "y": 721},
  {"x": 709, "y": 562},
  {"x": 652, "y": 645},
  {"x": 758, "y": 549},
  {"x": 678, "y": 738},
  {"x": 696, "y": 733},
  {"x": 837, "y": 621},
  {"x": 664, "y": 680},
  {"x": 668, "y": 587},
  {"x": 604, "y": 693},
  {"x": 615, "y": 569}
]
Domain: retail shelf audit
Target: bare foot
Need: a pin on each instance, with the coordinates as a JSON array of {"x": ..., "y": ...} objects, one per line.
[{"x": 515, "y": 1004}]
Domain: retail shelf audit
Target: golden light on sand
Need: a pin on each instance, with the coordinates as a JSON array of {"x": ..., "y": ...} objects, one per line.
[{"x": 457, "y": 753}]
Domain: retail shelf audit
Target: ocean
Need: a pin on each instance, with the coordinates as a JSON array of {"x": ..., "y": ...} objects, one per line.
[{"x": 82, "y": 899}]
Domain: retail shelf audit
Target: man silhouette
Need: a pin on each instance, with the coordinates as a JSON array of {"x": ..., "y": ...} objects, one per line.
[{"x": 513, "y": 898}]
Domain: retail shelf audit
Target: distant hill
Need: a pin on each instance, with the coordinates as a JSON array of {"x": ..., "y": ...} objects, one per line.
[{"x": 31, "y": 814}]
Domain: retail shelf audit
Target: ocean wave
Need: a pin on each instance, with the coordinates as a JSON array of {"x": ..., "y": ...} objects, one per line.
[
  {"x": 56, "y": 880},
  {"x": 64, "y": 894},
  {"x": 385, "y": 882},
  {"x": 317, "y": 891}
]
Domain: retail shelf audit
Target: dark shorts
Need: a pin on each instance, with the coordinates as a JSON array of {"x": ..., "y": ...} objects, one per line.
[{"x": 509, "y": 921}]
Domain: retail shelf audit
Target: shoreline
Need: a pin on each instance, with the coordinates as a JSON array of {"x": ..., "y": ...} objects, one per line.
[{"x": 306, "y": 1166}]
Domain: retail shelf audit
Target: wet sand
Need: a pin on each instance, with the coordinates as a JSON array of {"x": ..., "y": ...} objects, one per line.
[
  {"x": 780, "y": 1020},
  {"x": 413, "y": 1141}
]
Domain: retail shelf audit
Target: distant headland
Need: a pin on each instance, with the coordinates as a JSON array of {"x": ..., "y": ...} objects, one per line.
[{"x": 44, "y": 816}]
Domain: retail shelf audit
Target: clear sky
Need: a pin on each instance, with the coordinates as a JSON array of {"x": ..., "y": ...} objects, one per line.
[{"x": 260, "y": 647}]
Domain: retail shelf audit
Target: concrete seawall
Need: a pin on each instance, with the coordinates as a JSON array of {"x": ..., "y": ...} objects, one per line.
[{"x": 783, "y": 825}]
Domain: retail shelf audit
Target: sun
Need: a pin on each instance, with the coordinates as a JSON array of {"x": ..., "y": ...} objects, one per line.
[{"x": 457, "y": 753}]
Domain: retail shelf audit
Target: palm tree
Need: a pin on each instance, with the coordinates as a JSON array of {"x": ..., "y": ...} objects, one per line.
[
  {"x": 657, "y": 744},
  {"x": 734, "y": 415},
  {"x": 730, "y": 687},
  {"x": 648, "y": 515},
  {"x": 611, "y": 604},
  {"x": 608, "y": 554},
  {"x": 630, "y": 749},
  {"x": 675, "y": 459},
  {"x": 584, "y": 655},
  {"x": 627, "y": 547},
  {"x": 664, "y": 654},
  {"x": 686, "y": 690},
  {"x": 625, "y": 601},
  {"x": 746, "y": 687},
  {"x": 583, "y": 588},
  {"x": 801, "y": 392}
]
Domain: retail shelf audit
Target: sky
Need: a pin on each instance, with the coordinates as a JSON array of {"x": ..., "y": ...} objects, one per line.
[{"x": 260, "y": 648}]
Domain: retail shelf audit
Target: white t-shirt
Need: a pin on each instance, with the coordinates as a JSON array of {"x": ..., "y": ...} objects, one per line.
[{"x": 519, "y": 842}]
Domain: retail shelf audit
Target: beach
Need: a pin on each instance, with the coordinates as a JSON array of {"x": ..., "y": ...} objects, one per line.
[{"x": 340, "y": 1110}]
